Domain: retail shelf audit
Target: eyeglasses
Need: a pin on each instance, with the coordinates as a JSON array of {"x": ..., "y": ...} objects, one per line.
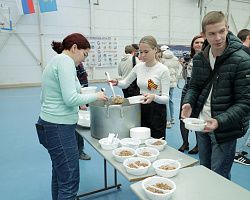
[{"x": 85, "y": 54}]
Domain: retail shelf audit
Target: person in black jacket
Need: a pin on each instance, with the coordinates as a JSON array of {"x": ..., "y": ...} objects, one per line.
[
  {"x": 196, "y": 46},
  {"x": 243, "y": 143},
  {"x": 219, "y": 93},
  {"x": 82, "y": 76}
]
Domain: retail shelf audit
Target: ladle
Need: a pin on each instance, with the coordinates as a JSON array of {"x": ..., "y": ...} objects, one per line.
[{"x": 110, "y": 84}]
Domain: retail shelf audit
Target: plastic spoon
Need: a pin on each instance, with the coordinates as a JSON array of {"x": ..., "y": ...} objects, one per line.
[
  {"x": 110, "y": 138},
  {"x": 115, "y": 138},
  {"x": 159, "y": 189},
  {"x": 110, "y": 84}
]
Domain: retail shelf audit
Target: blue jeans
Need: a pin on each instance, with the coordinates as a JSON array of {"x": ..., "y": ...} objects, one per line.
[
  {"x": 60, "y": 141},
  {"x": 170, "y": 105},
  {"x": 214, "y": 156}
]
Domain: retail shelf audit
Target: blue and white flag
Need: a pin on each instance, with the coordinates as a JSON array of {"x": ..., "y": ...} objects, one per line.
[{"x": 47, "y": 5}]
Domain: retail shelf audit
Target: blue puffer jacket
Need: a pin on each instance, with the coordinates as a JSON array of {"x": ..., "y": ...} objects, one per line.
[{"x": 230, "y": 98}]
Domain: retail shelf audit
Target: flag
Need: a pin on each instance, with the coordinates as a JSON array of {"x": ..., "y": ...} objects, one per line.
[
  {"x": 25, "y": 6},
  {"x": 47, "y": 5}
]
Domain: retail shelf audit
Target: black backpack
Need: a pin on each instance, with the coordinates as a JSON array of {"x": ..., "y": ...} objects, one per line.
[{"x": 133, "y": 89}]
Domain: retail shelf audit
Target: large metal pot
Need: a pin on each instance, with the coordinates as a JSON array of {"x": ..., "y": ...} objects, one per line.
[{"x": 106, "y": 118}]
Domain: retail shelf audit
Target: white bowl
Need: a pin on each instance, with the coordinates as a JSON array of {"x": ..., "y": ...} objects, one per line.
[
  {"x": 120, "y": 158},
  {"x": 136, "y": 99},
  {"x": 153, "y": 153},
  {"x": 168, "y": 173},
  {"x": 136, "y": 171},
  {"x": 88, "y": 90},
  {"x": 141, "y": 133},
  {"x": 156, "y": 180},
  {"x": 194, "y": 124},
  {"x": 156, "y": 143},
  {"x": 130, "y": 142},
  {"x": 106, "y": 145}
]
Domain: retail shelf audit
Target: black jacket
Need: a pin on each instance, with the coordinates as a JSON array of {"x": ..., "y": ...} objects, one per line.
[{"x": 230, "y": 98}]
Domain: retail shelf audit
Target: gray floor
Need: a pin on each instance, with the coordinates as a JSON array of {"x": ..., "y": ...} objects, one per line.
[{"x": 25, "y": 169}]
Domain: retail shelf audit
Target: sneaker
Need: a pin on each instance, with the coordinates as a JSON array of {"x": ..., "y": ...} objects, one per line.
[
  {"x": 168, "y": 125},
  {"x": 242, "y": 159},
  {"x": 244, "y": 153},
  {"x": 84, "y": 156},
  {"x": 172, "y": 121}
]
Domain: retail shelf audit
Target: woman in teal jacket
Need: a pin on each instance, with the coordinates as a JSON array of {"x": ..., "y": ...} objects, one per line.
[{"x": 60, "y": 100}]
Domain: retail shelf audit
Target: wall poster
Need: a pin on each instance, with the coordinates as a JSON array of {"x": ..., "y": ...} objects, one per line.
[{"x": 103, "y": 52}]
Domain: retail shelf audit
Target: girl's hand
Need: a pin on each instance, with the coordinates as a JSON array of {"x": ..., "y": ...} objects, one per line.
[
  {"x": 114, "y": 82},
  {"x": 148, "y": 98}
]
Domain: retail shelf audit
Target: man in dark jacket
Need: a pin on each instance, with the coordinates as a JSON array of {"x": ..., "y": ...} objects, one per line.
[
  {"x": 219, "y": 93},
  {"x": 244, "y": 142}
]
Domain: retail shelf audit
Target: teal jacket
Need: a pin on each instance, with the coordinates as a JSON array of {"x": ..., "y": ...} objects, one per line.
[
  {"x": 230, "y": 99},
  {"x": 61, "y": 96}
]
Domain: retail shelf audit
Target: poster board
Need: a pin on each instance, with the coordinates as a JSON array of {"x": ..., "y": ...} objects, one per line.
[
  {"x": 103, "y": 52},
  {"x": 5, "y": 17}
]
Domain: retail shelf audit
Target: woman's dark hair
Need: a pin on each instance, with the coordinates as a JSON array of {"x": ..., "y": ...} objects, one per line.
[
  {"x": 67, "y": 43},
  {"x": 135, "y": 46},
  {"x": 192, "y": 43}
]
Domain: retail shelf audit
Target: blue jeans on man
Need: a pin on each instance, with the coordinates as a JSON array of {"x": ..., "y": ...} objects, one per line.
[
  {"x": 217, "y": 157},
  {"x": 60, "y": 141}
]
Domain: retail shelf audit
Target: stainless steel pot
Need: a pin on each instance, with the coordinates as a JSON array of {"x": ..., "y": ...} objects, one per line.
[{"x": 106, "y": 118}]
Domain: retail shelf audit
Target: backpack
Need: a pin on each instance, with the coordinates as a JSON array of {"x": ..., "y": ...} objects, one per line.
[{"x": 133, "y": 89}]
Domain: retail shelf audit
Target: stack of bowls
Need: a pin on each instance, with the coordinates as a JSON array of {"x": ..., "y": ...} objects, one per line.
[
  {"x": 130, "y": 142},
  {"x": 106, "y": 145},
  {"x": 88, "y": 90},
  {"x": 140, "y": 133}
]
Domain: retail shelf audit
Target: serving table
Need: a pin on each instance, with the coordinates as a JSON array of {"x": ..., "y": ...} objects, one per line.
[
  {"x": 198, "y": 182},
  {"x": 168, "y": 152}
]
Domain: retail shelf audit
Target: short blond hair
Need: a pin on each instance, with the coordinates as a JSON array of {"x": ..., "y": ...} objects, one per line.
[
  {"x": 212, "y": 17},
  {"x": 129, "y": 49}
]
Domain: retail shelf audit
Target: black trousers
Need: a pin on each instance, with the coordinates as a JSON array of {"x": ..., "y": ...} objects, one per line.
[
  {"x": 153, "y": 116},
  {"x": 80, "y": 143}
]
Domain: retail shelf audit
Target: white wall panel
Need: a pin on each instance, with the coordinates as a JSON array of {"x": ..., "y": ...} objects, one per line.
[{"x": 127, "y": 20}]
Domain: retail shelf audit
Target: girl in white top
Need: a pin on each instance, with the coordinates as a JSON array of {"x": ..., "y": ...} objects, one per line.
[{"x": 153, "y": 79}]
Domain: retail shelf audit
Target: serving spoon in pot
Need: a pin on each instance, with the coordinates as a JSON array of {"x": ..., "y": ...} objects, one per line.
[{"x": 110, "y": 84}]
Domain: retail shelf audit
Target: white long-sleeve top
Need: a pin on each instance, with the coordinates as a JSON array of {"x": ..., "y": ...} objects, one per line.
[{"x": 158, "y": 73}]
